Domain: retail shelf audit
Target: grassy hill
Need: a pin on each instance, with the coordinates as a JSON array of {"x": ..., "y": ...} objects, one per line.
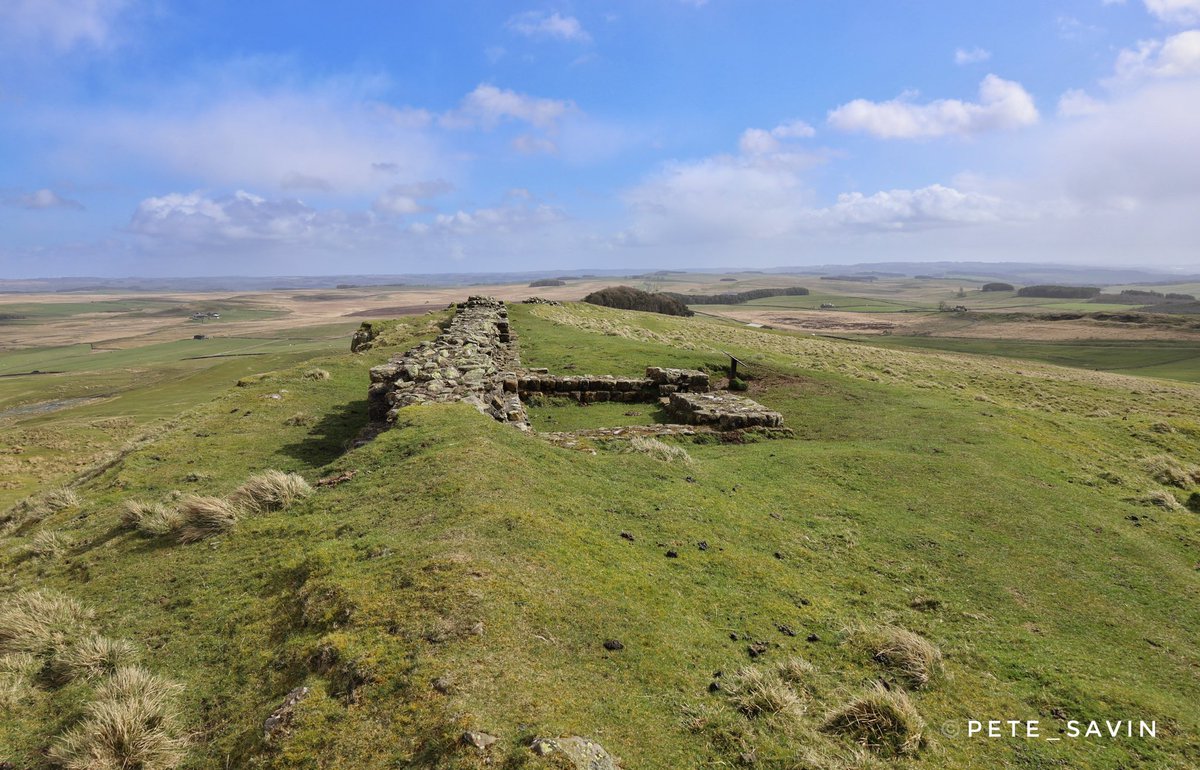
[{"x": 1027, "y": 520}]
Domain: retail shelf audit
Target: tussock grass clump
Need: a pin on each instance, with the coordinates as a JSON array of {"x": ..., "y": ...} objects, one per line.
[
  {"x": 60, "y": 499},
  {"x": 316, "y": 374},
  {"x": 1160, "y": 498},
  {"x": 763, "y": 693},
  {"x": 1165, "y": 469},
  {"x": 152, "y": 519},
  {"x": 131, "y": 724},
  {"x": 203, "y": 517},
  {"x": 92, "y": 657},
  {"x": 795, "y": 670},
  {"x": 882, "y": 720},
  {"x": 910, "y": 655},
  {"x": 48, "y": 544},
  {"x": 299, "y": 419},
  {"x": 16, "y": 675},
  {"x": 270, "y": 491},
  {"x": 38, "y": 622},
  {"x": 659, "y": 450}
]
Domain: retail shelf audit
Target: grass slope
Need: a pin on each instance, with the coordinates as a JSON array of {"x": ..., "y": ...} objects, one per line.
[{"x": 467, "y": 576}]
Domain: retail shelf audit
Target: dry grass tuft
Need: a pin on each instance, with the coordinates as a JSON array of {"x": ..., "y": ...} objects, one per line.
[
  {"x": 1160, "y": 498},
  {"x": 795, "y": 670},
  {"x": 882, "y": 720},
  {"x": 152, "y": 519},
  {"x": 203, "y": 517},
  {"x": 17, "y": 671},
  {"x": 270, "y": 491},
  {"x": 659, "y": 450},
  {"x": 316, "y": 374},
  {"x": 92, "y": 657},
  {"x": 48, "y": 544},
  {"x": 299, "y": 419},
  {"x": 36, "y": 622},
  {"x": 131, "y": 724},
  {"x": 1167, "y": 470},
  {"x": 763, "y": 693},
  {"x": 60, "y": 499},
  {"x": 910, "y": 655}
]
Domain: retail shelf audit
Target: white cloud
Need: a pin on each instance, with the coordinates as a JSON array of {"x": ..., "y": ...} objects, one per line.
[
  {"x": 1176, "y": 56},
  {"x": 971, "y": 56},
  {"x": 62, "y": 25},
  {"x": 331, "y": 137},
  {"x": 932, "y": 206},
  {"x": 1076, "y": 103},
  {"x": 42, "y": 199},
  {"x": 758, "y": 141},
  {"x": 405, "y": 199},
  {"x": 487, "y": 106},
  {"x": 1141, "y": 146},
  {"x": 1003, "y": 104},
  {"x": 530, "y": 144},
  {"x": 539, "y": 24},
  {"x": 1175, "y": 11}
]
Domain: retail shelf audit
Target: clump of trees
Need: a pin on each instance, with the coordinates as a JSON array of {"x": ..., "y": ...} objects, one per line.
[
  {"x": 997, "y": 286},
  {"x": 1142, "y": 297},
  {"x": 547, "y": 282},
  {"x": 1059, "y": 292},
  {"x": 629, "y": 298},
  {"x": 737, "y": 298}
]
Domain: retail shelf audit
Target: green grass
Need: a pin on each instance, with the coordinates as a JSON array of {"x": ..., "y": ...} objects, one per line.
[
  {"x": 1149, "y": 358},
  {"x": 913, "y": 475}
]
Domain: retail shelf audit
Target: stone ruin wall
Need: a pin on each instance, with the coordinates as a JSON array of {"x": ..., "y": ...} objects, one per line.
[
  {"x": 475, "y": 360},
  {"x": 469, "y": 362}
]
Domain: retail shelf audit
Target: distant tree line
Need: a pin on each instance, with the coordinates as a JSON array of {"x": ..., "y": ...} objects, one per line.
[
  {"x": 997, "y": 286},
  {"x": 1059, "y": 292},
  {"x": 736, "y": 298},
  {"x": 548, "y": 282},
  {"x": 1142, "y": 297},
  {"x": 861, "y": 278},
  {"x": 629, "y": 298}
]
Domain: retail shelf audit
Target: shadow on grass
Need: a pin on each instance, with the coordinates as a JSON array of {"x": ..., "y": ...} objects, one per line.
[{"x": 329, "y": 438}]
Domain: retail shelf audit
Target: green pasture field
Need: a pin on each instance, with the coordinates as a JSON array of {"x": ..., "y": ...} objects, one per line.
[{"x": 467, "y": 575}]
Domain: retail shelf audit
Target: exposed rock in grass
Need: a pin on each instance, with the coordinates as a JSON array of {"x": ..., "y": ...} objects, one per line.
[
  {"x": 884, "y": 721},
  {"x": 479, "y": 740},
  {"x": 277, "y": 723},
  {"x": 582, "y": 753}
]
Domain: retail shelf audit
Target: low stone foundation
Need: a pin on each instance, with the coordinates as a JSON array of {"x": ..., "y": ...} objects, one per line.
[
  {"x": 725, "y": 411},
  {"x": 475, "y": 361},
  {"x": 657, "y": 383}
]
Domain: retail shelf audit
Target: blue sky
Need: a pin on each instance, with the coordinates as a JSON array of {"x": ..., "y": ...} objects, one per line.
[{"x": 154, "y": 137}]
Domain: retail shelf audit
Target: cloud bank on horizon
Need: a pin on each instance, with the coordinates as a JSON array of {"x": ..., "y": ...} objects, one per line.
[{"x": 159, "y": 138}]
